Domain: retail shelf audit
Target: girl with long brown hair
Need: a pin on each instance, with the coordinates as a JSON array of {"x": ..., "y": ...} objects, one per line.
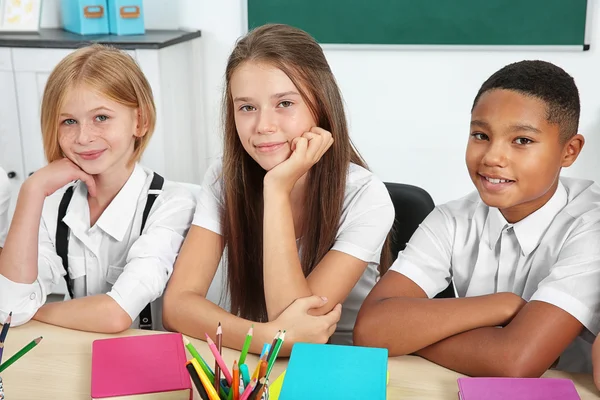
[{"x": 291, "y": 207}]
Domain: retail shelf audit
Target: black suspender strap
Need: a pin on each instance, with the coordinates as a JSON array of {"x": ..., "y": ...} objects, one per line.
[
  {"x": 153, "y": 192},
  {"x": 62, "y": 238}
]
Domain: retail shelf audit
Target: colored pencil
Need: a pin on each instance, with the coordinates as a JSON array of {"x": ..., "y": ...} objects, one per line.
[
  {"x": 275, "y": 339},
  {"x": 219, "y": 347},
  {"x": 234, "y": 393},
  {"x": 246, "y": 346},
  {"x": 275, "y": 353},
  {"x": 265, "y": 349},
  {"x": 262, "y": 372},
  {"x": 198, "y": 357},
  {"x": 259, "y": 389},
  {"x": 212, "y": 393},
  {"x": 245, "y": 374},
  {"x": 257, "y": 369},
  {"x": 20, "y": 353},
  {"x": 248, "y": 390},
  {"x": 202, "y": 363},
  {"x": 196, "y": 379},
  {"x": 219, "y": 359},
  {"x": 5, "y": 327}
]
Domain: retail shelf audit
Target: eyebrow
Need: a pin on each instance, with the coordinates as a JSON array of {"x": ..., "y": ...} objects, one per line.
[
  {"x": 512, "y": 128},
  {"x": 275, "y": 96},
  {"x": 91, "y": 111},
  {"x": 524, "y": 127},
  {"x": 479, "y": 123}
]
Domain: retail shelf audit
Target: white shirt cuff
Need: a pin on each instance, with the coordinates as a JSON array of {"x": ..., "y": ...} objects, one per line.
[
  {"x": 134, "y": 301},
  {"x": 417, "y": 275},
  {"x": 356, "y": 251},
  {"x": 207, "y": 223},
  {"x": 570, "y": 304},
  {"x": 22, "y": 299}
]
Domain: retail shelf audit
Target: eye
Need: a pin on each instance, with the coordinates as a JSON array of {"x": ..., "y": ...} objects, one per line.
[
  {"x": 479, "y": 136},
  {"x": 69, "y": 121},
  {"x": 101, "y": 118},
  {"x": 247, "y": 108},
  {"x": 285, "y": 104},
  {"x": 523, "y": 141}
]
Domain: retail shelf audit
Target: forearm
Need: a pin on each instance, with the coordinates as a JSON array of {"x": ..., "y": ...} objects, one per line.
[
  {"x": 19, "y": 258},
  {"x": 99, "y": 313},
  {"x": 194, "y": 315},
  {"x": 404, "y": 325},
  {"x": 283, "y": 278},
  {"x": 484, "y": 352}
]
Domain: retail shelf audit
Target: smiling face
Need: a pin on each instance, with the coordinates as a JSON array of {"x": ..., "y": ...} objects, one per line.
[
  {"x": 269, "y": 112},
  {"x": 514, "y": 155},
  {"x": 95, "y": 132}
]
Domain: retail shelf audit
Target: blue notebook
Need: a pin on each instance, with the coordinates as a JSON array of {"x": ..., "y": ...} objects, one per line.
[{"x": 325, "y": 371}]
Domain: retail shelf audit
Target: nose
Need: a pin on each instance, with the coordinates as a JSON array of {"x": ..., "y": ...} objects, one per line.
[
  {"x": 267, "y": 122},
  {"x": 85, "y": 134},
  {"x": 495, "y": 155}
]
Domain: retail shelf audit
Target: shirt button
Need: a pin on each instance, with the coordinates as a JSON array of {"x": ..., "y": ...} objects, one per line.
[{"x": 32, "y": 296}]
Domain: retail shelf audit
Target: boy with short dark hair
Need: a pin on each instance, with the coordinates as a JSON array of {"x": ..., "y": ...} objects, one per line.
[{"x": 523, "y": 251}]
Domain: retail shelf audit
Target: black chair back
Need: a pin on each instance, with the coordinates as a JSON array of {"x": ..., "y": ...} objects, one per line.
[{"x": 411, "y": 205}]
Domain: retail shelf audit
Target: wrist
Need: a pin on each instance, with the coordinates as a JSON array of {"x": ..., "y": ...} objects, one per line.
[
  {"x": 274, "y": 190},
  {"x": 32, "y": 190}
]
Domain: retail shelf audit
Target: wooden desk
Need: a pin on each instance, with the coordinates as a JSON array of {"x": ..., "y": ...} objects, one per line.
[{"x": 60, "y": 368}]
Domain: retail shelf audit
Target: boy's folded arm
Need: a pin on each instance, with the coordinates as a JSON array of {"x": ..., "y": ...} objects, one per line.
[
  {"x": 526, "y": 347},
  {"x": 398, "y": 315}
]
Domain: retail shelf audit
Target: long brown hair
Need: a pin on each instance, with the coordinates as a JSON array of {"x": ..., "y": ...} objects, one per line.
[{"x": 300, "y": 57}]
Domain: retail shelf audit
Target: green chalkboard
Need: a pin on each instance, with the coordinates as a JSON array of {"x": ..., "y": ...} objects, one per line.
[{"x": 430, "y": 22}]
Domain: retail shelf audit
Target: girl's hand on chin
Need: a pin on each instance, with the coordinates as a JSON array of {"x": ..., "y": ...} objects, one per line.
[
  {"x": 307, "y": 150},
  {"x": 57, "y": 174}
]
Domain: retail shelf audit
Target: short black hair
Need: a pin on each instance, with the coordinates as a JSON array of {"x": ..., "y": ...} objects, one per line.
[{"x": 546, "y": 82}]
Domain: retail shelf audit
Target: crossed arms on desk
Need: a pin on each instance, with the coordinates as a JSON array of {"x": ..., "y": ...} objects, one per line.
[{"x": 493, "y": 335}]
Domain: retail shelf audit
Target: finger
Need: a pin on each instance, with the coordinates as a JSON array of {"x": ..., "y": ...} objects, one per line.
[
  {"x": 331, "y": 330},
  {"x": 320, "y": 131},
  {"x": 89, "y": 182},
  {"x": 299, "y": 145},
  {"x": 334, "y": 315},
  {"x": 307, "y": 303},
  {"x": 315, "y": 144}
]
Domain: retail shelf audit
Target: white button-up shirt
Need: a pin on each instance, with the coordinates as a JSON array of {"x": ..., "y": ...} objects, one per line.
[
  {"x": 4, "y": 205},
  {"x": 553, "y": 255},
  {"x": 110, "y": 257}
]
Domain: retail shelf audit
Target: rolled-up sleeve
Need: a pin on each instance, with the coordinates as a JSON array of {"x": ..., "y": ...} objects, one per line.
[
  {"x": 367, "y": 223},
  {"x": 210, "y": 203},
  {"x": 151, "y": 258},
  {"x": 574, "y": 280},
  {"x": 23, "y": 300},
  {"x": 426, "y": 260}
]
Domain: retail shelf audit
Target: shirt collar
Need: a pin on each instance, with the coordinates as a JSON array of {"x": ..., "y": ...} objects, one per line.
[
  {"x": 530, "y": 230},
  {"x": 118, "y": 216}
]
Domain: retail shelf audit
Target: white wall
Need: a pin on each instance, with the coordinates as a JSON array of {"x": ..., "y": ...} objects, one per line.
[{"x": 408, "y": 110}]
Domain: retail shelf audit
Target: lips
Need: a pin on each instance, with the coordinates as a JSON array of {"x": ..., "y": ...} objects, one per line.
[
  {"x": 91, "y": 155},
  {"x": 269, "y": 147},
  {"x": 495, "y": 183}
]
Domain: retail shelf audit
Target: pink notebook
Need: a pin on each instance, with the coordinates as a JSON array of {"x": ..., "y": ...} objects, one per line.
[
  {"x": 516, "y": 389},
  {"x": 140, "y": 367}
]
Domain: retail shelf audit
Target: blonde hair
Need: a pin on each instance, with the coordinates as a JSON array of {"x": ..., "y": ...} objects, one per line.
[{"x": 114, "y": 74}]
